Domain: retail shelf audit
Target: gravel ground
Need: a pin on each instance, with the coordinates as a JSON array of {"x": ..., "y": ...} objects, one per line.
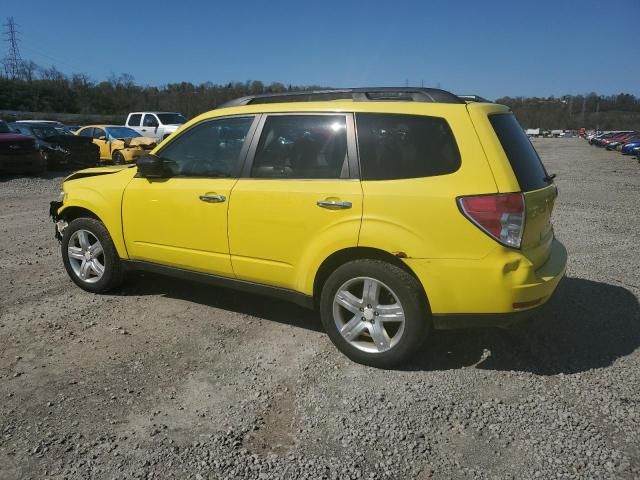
[{"x": 166, "y": 379}]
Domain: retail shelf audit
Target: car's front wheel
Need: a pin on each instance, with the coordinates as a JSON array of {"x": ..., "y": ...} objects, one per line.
[
  {"x": 118, "y": 158},
  {"x": 375, "y": 312},
  {"x": 89, "y": 256}
]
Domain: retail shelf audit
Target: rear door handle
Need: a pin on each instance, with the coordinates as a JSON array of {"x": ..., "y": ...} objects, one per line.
[
  {"x": 213, "y": 198},
  {"x": 333, "y": 205}
]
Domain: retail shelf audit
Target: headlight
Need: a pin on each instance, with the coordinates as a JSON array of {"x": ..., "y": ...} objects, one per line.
[{"x": 62, "y": 196}]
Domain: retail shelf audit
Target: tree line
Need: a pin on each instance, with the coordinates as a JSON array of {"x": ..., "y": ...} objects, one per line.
[
  {"x": 571, "y": 112},
  {"x": 48, "y": 90}
]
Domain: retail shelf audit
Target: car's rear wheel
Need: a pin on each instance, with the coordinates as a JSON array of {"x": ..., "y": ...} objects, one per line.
[
  {"x": 118, "y": 158},
  {"x": 89, "y": 256},
  {"x": 374, "y": 312}
]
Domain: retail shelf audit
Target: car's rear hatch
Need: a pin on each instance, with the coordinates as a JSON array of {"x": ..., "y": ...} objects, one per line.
[{"x": 526, "y": 174}]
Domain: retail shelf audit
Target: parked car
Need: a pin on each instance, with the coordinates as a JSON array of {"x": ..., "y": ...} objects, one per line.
[
  {"x": 622, "y": 142},
  {"x": 59, "y": 147},
  {"x": 612, "y": 142},
  {"x": 628, "y": 148},
  {"x": 117, "y": 144},
  {"x": 18, "y": 153},
  {"x": 392, "y": 211},
  {"x": 602, "y": 137},
  {"x": 158, "y": 125}
]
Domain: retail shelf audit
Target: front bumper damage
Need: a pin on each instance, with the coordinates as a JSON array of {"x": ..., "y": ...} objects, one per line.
[{"x": 60, "y": 223}]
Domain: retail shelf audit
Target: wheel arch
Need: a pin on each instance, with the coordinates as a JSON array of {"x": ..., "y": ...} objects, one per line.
[
  {"x": 95, "y": 209},
  {"x": 71, "y": 213},
  {"x": 345, "y": 255}
]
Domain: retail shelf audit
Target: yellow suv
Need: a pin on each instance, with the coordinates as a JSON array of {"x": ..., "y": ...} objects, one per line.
[{"x": 391, "y": 210}]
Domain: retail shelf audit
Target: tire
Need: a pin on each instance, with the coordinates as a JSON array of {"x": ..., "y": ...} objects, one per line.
[
  {"x": 92, "y": 230},
  {"x": 399, "y": 339},
  {"x": 118, "y": 158}
]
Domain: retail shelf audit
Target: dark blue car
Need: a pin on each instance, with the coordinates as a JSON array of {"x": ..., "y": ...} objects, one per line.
[{"x": 629, "y": 147}]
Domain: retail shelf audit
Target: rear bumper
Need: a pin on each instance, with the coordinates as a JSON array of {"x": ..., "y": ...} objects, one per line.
[{"x": 498, "y": 290}]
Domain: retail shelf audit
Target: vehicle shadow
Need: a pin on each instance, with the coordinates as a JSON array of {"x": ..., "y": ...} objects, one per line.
[
  {"x": 255, "y": 305},
  {"x": 586, "y": 325}
]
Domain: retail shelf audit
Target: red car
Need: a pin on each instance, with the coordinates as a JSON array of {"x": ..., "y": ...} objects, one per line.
[
  {"x": 611, "y": 142},
  {"x": 18, "y": 153}
]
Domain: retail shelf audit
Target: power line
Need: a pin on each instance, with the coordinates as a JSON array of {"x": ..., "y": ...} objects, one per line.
[{"x": 13, "y": 61}]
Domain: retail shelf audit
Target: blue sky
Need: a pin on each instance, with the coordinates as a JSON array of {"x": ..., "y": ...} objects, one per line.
[{"x": 490, "y": 48}]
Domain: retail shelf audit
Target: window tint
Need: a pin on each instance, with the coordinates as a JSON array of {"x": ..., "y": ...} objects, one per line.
[
  {"x": 524, "y": 160},
  {"x": 150, "y": 121},
  {"x": 134, "y": 120},
  {"x": 302, "y": 146},
  {"x": 86, "y": 132},
  {"x": 210, "y": 149},
  {"x": 405, "y": 146},
  {"x": 98, "y": 132}
]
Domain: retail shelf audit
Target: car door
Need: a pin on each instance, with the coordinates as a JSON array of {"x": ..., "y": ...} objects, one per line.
[
  {"x": 150, "y": 126},
  {"x": 299, "y": 198},
  {"x": 181, "y": 220},
  {"x": 102, "y": 141}
]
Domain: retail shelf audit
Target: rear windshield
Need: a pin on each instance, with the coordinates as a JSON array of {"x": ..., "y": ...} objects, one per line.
[{"x": 524, "y": 159}]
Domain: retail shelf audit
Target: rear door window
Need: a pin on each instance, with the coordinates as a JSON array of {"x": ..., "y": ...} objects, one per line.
[
  {"x": 394, "y": 146},
  {"x": 302, "y": 146},
  {"x": 524, "y": 159}
]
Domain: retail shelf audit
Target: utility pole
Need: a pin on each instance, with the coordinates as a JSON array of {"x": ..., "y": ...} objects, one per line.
[{"x": 13, "y": 61}]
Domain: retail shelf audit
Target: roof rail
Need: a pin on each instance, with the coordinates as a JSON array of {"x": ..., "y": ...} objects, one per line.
[
  {"x": 402, "y": 94},
  {"x": 474, "y": 98}
]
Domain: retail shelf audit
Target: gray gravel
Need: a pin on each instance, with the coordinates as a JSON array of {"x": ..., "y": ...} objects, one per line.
[{"x": 173, "y": 380}]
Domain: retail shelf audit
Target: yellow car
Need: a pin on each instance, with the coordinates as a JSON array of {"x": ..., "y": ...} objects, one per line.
[
  {"x": 391, "y": 211},
  {"x": 117, "y": 144}
]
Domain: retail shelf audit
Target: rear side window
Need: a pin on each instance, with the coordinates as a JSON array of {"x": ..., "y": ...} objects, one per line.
[
  {"x": 134, "y": 120},
  {"x": 302, "y": 146},
  {"x": 86, "y": 132},
  {"x": 405, "y": 146},
  {"x": 524, "y": 159}
]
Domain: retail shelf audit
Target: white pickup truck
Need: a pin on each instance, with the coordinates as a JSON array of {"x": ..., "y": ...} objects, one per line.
[{"x": 158, "y": 125}]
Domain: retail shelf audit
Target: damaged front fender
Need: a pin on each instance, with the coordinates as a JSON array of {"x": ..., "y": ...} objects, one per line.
[{"x": 61, "y": 224}]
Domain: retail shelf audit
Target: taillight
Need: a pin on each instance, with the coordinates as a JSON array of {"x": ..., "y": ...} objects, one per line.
[{"x": 500, "y": 215}]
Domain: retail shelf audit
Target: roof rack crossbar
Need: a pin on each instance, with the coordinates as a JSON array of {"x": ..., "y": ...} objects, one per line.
[{"x": 433, "y": 95}]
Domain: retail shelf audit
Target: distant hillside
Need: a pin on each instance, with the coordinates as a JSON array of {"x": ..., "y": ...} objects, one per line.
[
  {"x": 49, "y": 91},
  {"x": 615, "y": 112}
]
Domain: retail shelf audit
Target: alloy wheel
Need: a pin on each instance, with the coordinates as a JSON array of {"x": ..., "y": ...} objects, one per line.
[
  {"x": 86, "y": 256},
  {"x": 368, "y": 315}
]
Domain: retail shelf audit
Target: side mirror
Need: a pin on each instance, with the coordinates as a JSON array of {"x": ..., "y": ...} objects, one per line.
[
  {"x": 102, "y": 137},
  {"x": 152, "y": 166}
]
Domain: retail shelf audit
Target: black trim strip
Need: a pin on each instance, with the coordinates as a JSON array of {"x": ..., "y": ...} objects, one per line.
[
  {"x": 482, "y": 320},
  {"x": 224, "y": 282}
]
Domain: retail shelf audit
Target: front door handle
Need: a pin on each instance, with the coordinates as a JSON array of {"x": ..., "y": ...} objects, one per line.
[
  {"x": 213, "y": 198},
  {"x": 333, "y": 205}
]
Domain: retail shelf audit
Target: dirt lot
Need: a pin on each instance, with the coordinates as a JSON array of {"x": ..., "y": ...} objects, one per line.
[{"x": 166, "y": 379}]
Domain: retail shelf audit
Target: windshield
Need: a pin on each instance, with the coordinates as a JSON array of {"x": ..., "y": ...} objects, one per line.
[
  {"x": 171, "y": 118},
  {"x": 44, "y": 132},
  {"x": 122, "y": 132},
  {"x": 4, "y": 128}
]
